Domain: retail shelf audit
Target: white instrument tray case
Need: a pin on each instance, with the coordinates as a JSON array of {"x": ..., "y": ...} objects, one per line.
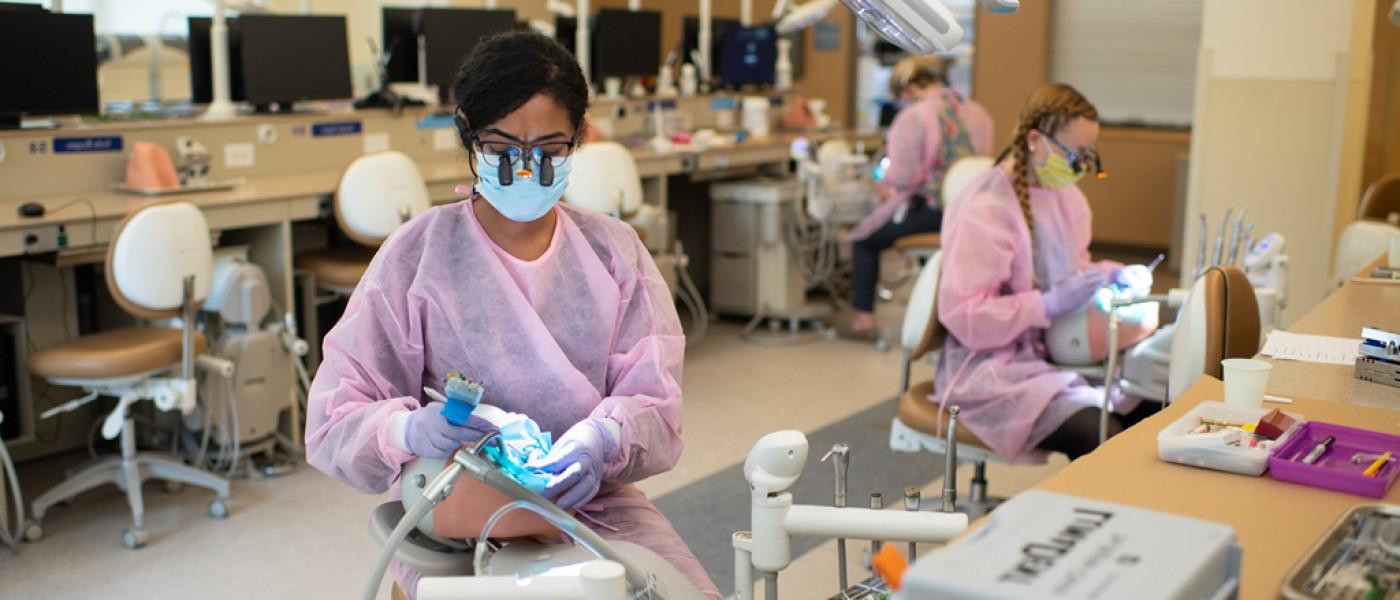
[{"x": 1047, "y": 545}]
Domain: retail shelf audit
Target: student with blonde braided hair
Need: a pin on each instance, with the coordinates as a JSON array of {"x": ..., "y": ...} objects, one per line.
[
  {"x": 1015, "y": 256},
  {"x": 935, "y": 127}
]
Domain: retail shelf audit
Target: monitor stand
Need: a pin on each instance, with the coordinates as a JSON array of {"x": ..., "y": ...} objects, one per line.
[
  {"x": 276, "y": 108},
  {"x": 386, "y": 98}
]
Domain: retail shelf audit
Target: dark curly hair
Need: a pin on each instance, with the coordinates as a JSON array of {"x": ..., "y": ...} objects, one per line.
[{"x": 505, "y": 71}]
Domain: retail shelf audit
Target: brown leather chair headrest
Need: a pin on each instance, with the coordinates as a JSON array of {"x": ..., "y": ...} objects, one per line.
[{"x": 1232, "y": 317}]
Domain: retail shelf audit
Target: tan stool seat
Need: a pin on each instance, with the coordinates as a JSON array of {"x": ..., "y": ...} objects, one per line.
[
  {"x": 341, "y": 266},
  {"x": 918, "y": 241},
  {"x": 115, "y": 353},
  {"x": 917, "y": 412}
]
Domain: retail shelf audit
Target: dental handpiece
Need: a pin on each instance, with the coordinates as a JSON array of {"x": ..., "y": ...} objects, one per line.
[
  {"x": 911, "y": 504},
  {"x": 1246, "y": 245},
  {"x": 877, "y": 502},
  {"x": 841, "y": 460},
  {"x": 1218, "y": 253},
  {"x": 1235, "y": 237},
  {"x": 1201, "y": 252}
]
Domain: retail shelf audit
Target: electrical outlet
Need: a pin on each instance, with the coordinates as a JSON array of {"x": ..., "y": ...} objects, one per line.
[
  {"x": 267, "y": 134},
  {"x": 238, "y": 156},
  {"x": 376, "y": 142},
  {"x": 444, "y": 139}
]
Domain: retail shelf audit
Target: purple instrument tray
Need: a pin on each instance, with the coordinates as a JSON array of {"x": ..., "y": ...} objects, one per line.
[{"x": 1335, "y": 470}]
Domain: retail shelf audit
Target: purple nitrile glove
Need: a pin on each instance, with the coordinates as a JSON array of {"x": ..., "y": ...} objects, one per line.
[
  {"x": 1136, "y": 278},
  {"x": 428, "y": 434},
  {"x": 1072, "y": 293},
  {"x": 577, "y": 462}
]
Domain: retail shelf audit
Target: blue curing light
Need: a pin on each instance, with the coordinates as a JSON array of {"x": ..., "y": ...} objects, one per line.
[{"x": 462, "y": 397}]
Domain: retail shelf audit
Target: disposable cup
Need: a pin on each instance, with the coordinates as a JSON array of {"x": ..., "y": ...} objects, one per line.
[{"x": 1245, "y": 380}]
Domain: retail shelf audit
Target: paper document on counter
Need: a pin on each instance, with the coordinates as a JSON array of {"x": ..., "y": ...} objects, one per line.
[{"x": 1322, "y": 349}]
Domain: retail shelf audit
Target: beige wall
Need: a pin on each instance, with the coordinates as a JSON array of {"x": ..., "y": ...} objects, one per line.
[
  {"x": 1278, "y": 132},
  {"x": 1134, "y": 206},
  {"x": 1010, "y": 62}
]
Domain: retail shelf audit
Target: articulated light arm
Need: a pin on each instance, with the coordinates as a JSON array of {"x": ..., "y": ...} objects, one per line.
[{"x": 917, "y": 26}]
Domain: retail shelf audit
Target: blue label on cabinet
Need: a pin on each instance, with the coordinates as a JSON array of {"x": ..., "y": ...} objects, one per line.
[
  {"x": 723, "y": 103},
  {"x": 435, "y": 122},
  {"x": 103, "y": 143},
  {"x": 335, "y": 128}
]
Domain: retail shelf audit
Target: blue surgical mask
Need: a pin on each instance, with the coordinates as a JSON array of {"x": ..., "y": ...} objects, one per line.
[{"x": 524, "y": 200}]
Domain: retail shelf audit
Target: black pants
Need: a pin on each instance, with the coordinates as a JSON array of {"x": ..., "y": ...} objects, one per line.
[
  {"x": 865, "y": 254},
  {"x": 1079, "y": 435}
]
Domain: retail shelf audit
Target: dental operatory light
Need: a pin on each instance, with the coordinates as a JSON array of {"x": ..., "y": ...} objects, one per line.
[
  {"x": 803, "y": 16},
  {"x": 917, "y": 26}
]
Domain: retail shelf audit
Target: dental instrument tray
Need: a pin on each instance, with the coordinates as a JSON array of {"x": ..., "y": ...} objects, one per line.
[
  {"x": 1222, "y": 445},
  {"x": 1345, "y": 459},
  {"x": 1359, "y": 557}
]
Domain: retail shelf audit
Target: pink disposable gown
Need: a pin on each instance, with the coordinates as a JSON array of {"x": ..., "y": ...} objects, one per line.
[
  {"x": 913, "y": 144},
  {"x": 586, "y": 330},
  {"x": 994, "y": 364}
]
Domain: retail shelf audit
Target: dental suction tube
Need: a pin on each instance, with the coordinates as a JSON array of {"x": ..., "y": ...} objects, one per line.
[{"x": 482, "y": 471}]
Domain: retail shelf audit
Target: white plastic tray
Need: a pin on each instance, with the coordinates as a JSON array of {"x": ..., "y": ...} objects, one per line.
[{"x": 1173, "y": 444}]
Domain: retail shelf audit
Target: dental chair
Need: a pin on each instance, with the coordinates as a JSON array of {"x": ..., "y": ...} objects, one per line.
[
  {"x": 1220, "y": 320},
  {"x": 9, "y": 476},
  {"x": 1377, "y": 219},
  {"x": 377, "y": 193},
  {"x": 158, "y": 267},
  {"x": 919, "y": 424},
  {"x": 960, "y": 173},
  {"x": 605, "y": 180},
  {"x": 1382, "y": 199}
]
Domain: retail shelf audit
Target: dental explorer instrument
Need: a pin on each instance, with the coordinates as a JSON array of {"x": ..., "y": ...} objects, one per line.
[
  {"x": 841, "y": 455},
  {"x": 1152, "y": 266},
  {"x": 1201, "y": 252},
  {"x": 1218, "y": 253}
]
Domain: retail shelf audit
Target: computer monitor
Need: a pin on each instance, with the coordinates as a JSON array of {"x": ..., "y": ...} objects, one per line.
[
  {"x": 16, "y": 6},
  {"x": 564, "y": 28},
  {"x": 451, "y": 34},
  {"x": 626, "y": 43},
  {"x": 48, "y": 65},
  {"x": 749, "y": 57},
  {"x": 201, "y": 69},
  {"x": 690, "y": 39},
  {"x": 400, "y": 43},
  {"x": 287, "y": 58}
]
